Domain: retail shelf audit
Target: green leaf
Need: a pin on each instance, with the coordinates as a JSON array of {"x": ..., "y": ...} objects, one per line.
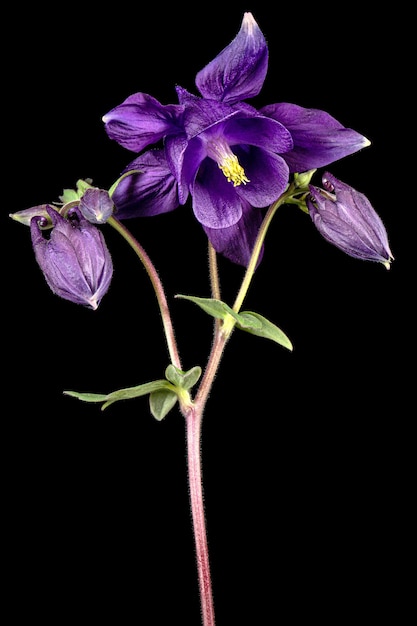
[
  {"x": 83, "y": 185},
  {"x": 122, "y": 394},
  {"x": 69, "y": 195},
  {"x": 73, "y": 195},
  {"x": 249, "y": 322},
  {"x": 212, "y": 306},
  {"x": 161, "y": 402},
  {"x": 258, "y": 325},
  {"x": 186, "y": 380},
  {"x": 87, "y": 397}
]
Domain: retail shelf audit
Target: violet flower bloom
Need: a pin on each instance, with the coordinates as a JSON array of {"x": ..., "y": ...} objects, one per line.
[
  {"x": 347, "y": 219},
  {"x": 232, "y": 159},
  {"x": 74, "y": 258}
]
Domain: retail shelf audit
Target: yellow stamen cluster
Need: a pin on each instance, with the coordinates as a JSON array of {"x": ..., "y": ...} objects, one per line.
[{"x": 233, "y": 171}]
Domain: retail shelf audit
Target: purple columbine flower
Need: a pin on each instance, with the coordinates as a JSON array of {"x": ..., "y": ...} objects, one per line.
[
  {"x": 232, "y": 159},
  {"x": 74, "y": 258},
  {"x": 347, "y": 219}
]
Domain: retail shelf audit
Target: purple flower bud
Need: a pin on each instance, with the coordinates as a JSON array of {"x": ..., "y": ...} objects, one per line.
[
  {"x": 347, "y": 219},
  {"x": 74, "y": 259},
  {"x": 96, "y": 205}
]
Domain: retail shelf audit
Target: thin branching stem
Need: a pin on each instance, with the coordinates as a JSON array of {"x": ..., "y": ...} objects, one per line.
[{"x": 158, "y": 288}]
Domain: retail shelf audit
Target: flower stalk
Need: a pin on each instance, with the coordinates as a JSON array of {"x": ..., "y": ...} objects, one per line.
[
  {"x": 157, "y": 285},
  {"x": 253, "y": 261}
]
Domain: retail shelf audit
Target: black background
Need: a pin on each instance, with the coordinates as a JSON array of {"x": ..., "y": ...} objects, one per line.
[{"x": 307, "y": 456}]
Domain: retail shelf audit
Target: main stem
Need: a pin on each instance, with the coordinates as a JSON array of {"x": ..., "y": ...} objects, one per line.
[
  {"x": 193, "y": 426},
  {"x": 193, "y": 419}
]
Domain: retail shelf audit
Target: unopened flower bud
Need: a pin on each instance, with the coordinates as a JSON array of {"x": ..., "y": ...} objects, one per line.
[
  {"x": 74, "y": 258},
  {"x": 96, "y": 205},
  {"x": 347, "y": 219}
]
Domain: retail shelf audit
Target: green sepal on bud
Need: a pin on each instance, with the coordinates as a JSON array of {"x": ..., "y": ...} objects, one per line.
[
  {"x": 251, "y": 322},
  {"x": 163, "y": 393}
]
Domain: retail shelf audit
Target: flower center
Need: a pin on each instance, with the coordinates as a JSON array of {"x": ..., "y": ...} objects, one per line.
[
  {"x": 233, "y": 171},
  {"x": 227, "y": 161}
]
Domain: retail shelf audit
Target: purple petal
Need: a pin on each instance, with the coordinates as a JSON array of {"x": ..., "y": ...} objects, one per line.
[
  {"x": 258, "y": 131},
  {"x": 215, "y": 201},
  {"x": 238, "y": 71},
  {"x": 149, "y": 193},
  {"x": 267, "y": 172},
  {"x": 141, "y": 120},
  {"x": 236, "y": 242},
  {"x": 319, "y": 139},
  {"x": 200, "y": 115},
  {"x": 184, "y": 158}
]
